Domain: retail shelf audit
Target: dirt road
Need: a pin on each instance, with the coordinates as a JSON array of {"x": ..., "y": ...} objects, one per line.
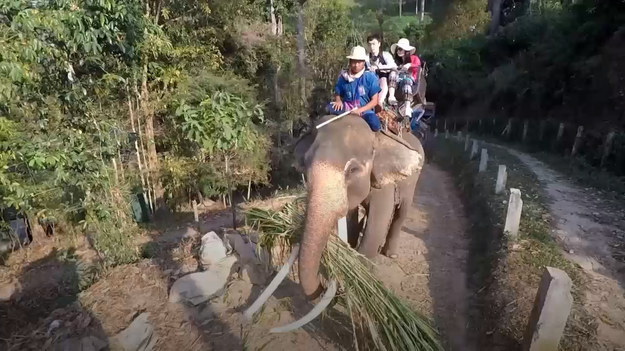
[
  {"x": 431, "y": 269},
  {"x": 591, "y": 231}
]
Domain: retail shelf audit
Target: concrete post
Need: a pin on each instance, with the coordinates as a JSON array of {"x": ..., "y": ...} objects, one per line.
[
  {"x": 459, "y": 135},
  {"x": 196, "y": 215},
  {"x": 446, "y": 134},
  {"x": 552, "y": 307},
  {"x": 502, "y": 177},
  {"x": 513, "y": 217},
  {"x": 560, "y": 132},
  {"x": 466, "y": 142},
  {"x": 578, "y": 140},
  {"x": 525, "y": 128},
  {"x": 474, "y": 149},
  {"x": 483, "y": 160},
  {"x": 436, "y": 133},
  {"x": 607, "y": 147}
]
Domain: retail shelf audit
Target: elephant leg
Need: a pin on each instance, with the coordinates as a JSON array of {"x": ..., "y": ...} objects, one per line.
[
  {"x": 379, "y": 216},
  {"x": 392, "y": 240},
  {"x": 353, "y": 227},
  {"x": 391, "y": 248}
]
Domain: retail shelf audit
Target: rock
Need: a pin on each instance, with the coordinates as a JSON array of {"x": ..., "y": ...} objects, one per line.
[
  {"x": 91, "y": 343},
  {"x": 199, "y": 287},
  {"x": 8, "y": 290},
  {"x": 516, "y": 247},
  {"x": 54, "y": 325},
  {"x": 139, "y": 336},
  {"x": 212, "y": 249},
  {"x": 571, "y": 252},
  {"x": 243, "y": 248},
  {"x": 254, "y": 273},
  {"x": 190, "y": 232},
  {"x": 71, "y": 344}
]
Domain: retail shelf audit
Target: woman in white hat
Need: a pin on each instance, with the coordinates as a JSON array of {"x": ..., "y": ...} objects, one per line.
[
  {"x": 408, "y": 64},
  {"x": 357, "y": 90}
]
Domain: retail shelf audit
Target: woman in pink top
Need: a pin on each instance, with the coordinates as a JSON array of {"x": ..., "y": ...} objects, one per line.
[{"x": 408, "y": 65}]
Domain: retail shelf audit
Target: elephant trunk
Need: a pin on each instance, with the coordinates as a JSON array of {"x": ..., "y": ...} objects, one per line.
[{"x": 327, "y": 201}]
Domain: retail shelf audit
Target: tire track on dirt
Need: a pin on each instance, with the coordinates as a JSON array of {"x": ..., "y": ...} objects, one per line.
[{"x": 431, "y": 271}]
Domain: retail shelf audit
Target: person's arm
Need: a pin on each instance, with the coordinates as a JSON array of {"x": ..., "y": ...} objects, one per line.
[
  {"x": 337, "y": 104},
  {"x": 372, "y": 103},
  {"x": 390, "y": 62}
]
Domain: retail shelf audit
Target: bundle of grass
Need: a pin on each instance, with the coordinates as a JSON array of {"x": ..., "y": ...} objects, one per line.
[{"x": 376, "y": 312}]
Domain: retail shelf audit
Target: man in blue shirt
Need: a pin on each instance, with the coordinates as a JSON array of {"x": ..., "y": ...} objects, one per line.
[{"x": 357, "y": 90}]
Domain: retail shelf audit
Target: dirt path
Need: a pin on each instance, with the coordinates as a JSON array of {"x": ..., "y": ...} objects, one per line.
[
  {"x": 431, "y": 269},
  {"x": 591, "y": 232}
]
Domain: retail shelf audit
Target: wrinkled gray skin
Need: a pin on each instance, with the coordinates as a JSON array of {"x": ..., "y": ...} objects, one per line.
[{"x": 346, "y": 165}]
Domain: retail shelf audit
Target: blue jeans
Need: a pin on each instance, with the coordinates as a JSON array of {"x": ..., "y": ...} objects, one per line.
[{"x": 369, "y": 117}]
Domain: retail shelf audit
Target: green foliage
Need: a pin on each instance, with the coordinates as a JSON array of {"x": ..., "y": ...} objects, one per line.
[{"x": 544, "y": 63}]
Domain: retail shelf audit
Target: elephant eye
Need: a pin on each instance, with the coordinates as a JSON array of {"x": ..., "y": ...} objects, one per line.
[{"x": 353, "y": 170}]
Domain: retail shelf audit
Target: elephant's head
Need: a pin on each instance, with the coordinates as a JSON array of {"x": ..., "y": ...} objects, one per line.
[{"x": 342, "y": 161}]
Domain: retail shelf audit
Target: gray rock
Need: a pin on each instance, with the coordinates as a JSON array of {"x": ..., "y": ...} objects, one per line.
[
  {"x": 255, "y": 274},
  {"x": 91, "y": 343},
  {"x": 200, "y": 287},
  {"x": 243, "y": 247},
  {"x": 212, "y": 249},
  {"x": 139, "y": 336}
]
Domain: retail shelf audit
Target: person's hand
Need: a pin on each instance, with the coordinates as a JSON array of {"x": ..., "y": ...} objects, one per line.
[
  {"x": 405, "y": 67},
  {"x": 374, "y": 68},
  {"x": 357, "y": 111},
  {"x": 337, "y": 105}
]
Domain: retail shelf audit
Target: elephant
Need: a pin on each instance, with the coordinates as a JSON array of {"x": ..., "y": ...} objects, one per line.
[{"x": 348, "y": 165}]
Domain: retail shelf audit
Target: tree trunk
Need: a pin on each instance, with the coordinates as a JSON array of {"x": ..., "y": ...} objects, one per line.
[
  {"x": 400, "y": 3},
  {"x": 422, "y": 10},
  {"x": 272, "y": 14},
  {"x": 301, "y": 52},
  {"x": 495, "y": 16}
]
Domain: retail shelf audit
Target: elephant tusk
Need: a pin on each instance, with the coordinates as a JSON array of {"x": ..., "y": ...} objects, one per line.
[
  {"x": 260, "y": 301},
  {"x": 316, "y": 311}
]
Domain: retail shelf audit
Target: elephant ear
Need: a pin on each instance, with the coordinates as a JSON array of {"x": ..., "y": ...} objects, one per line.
[
  {"x": 302, "y": 145},
  {"x": 394, "y": 160}
]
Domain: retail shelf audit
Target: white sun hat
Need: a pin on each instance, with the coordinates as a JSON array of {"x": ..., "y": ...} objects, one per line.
[
  {"x": 358, "y": 53},
  {"x": 404, "y": 44}
]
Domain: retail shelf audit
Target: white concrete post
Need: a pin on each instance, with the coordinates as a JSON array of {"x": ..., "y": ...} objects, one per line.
[
  {"x": 474, "y": 149},
  {"x": 436, "y": 133},
  {"x": 446, "y": 134},
  {"x": 513, "y": 217},
  {"x": 459, "y": 135},
  {"x": 607, "y": 148},
  {"x": 525, "y": 128},
  {"x": 466, "y": 142},
  {"x": 578, "y": 140},
  {"x": 560, "y": 132},
  {"x": 342, "y": 228},
  {"x": 483, "y": 160},
  {"x": 502, "y": 177},
  {"x": 551, "y": 310},
  {"x": 196, "y": 215}
]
